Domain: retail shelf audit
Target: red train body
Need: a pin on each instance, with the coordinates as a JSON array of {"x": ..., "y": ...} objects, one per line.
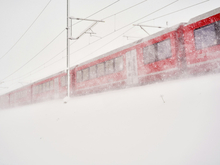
[
  {"x": 202, "y": 39},
  {"x": 188, "y": 48}
]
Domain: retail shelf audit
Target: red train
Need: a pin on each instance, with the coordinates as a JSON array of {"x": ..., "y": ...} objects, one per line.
[{"x": 191, "y": 48}]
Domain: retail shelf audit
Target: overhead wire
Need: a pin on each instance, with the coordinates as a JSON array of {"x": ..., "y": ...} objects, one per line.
[
  {"x": 26, "y": 30},
  {"x": 129, "y": 24},
  {"x": 73, "y": 25},
  {"x": 140, "y": 19},
  {"x": 98, "y": 11},
  {"x": 126, "y": 25},
  {"x": 80, "y": 21},
  {"x": 119, "y": 28},
  {"x": 175, "y": 11},
  {"x": 52, "y": 42},
  {"x": 32, "y": 58},
  {"x": 124, "y": 10},
  {"x": 106, "y": 44},
  {"x": 84, "y": 56}
]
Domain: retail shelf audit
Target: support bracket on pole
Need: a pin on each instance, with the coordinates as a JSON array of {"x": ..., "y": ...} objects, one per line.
[
  {"x": 141, "y": 26},
  {"x": 87, "y": 29}
]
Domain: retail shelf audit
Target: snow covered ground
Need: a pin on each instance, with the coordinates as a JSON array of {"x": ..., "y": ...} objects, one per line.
[{"x": 169, "y": 123}]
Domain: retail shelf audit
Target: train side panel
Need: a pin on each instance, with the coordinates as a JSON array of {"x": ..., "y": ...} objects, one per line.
[
  {"x": 202, "y": 43},
  {"x": 161, "y": 57},
  {"x": 21, "y": 96},
  {"x": 101, "y": 74}
]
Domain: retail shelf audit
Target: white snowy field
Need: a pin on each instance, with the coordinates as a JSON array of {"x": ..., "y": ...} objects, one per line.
[{"x": 170, "y": 123}]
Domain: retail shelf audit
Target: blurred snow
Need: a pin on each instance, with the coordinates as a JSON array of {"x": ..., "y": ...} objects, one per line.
[{"x": 174, "y": 122}]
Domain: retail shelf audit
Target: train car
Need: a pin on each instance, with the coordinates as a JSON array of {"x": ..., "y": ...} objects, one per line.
[
  {"x": 48, "y": 88},
  {"x": 157, "y": 57},
  {"x": 101, "y": 73},
  {"x": 202, "y": 43},
  {"x": 21, "y": 96},
  {"x": 192, "y": 48},
  {"x": 4, "y": 101},
  {"x": 52, "y": 87},
  {"x": 161, "y": 56}
]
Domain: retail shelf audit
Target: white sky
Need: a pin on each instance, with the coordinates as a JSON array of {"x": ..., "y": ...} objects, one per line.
[{"x": 17, "y": 16}]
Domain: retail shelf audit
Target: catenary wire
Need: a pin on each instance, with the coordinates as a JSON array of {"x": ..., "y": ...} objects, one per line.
[
  {"x": 135, "y": 21},
  {"x": 175, "y": 11},
  {"x": 105, "y": 44},
  {"x": 52, "y": 42},
  {"x": 124, "y": 10},
  {"x": 114, "y": 31},
  {"x": 126, "y": 26},
  {"x": 88, "y": 17},
  {"x": 26, "y": 30}
]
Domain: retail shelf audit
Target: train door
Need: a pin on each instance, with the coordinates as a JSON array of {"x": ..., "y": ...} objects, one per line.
[
  {"x": 131, "y": 63},
  {"x": 56, "y": 87}
]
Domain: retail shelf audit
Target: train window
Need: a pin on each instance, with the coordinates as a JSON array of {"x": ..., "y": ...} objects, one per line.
[
  {"x": 118, "y": 64},
  {"x": 149, "y": 54},
  {"x": 157, "y": 52},
  {"x": 37, "y": 89},
  {"x": 34, "y": 90},
  {"x": 109, "y": 66},
  {"x": 100, "y": 69},
  {"x": 205, "y": 36},
  {"x": 48, "y": 85},
  {"x": 41, "y": 88},
  {"x": 64, "y": 80},
  {"x": 92, "y": 71},
  {"x": 44, "y": 87},
  {"x": 51, "y": 85},
  {"x": 85, "y": 73},
  {"x": 79, "y": 76},
  {"x": 218, "y": 32},
  {"x": 163, "y": 50}
]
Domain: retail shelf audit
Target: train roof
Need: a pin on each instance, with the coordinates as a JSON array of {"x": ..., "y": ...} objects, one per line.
[
  {"x": 205, "y": 15},
  {"x": 166, "y": 30}
]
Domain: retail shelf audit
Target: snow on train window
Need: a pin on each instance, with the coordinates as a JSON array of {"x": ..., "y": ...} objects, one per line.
[
  {"x": 109, "y": 66},
  {"x": 205, "y": 36},
  {"x": 85, "y": 73},
  {"x": 119, "y": 64},
  {"x": 100, "y": 69},
  {"x": 163, "y": 50},
  {"x": 149, "y": 54},
  {"x": 79, "y": 76},
  {"x": 92, "y": 72}
]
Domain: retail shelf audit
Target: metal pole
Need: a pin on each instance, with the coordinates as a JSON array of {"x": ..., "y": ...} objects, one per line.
[{"x": 68, "y": 51}]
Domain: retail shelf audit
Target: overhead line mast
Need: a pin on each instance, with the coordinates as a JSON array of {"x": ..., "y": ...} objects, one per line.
[
  {"x": 68, "y": 55},
  {"x": 69, "y": 32}
]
